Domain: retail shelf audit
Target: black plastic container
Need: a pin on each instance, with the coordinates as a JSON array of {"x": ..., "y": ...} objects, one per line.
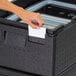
[
  {"x": 51, "y": 56},
  {"x": 22, "y": 55}
]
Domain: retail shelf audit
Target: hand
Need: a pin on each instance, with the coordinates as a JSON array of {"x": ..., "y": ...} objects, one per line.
[{"x": 30, "y": 17}]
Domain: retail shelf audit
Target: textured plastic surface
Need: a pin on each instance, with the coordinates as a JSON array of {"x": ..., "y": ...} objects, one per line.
[
  {"x": 10, "y": 72},
  {"x": 71, "y": 71},
  {"x": 65, "y": 48},
  {"x": 52, "y": 56},
  {"x": 22, "y": 57}
]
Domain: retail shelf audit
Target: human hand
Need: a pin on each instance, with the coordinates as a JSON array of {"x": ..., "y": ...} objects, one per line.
[{"x": 30, "y": 18}]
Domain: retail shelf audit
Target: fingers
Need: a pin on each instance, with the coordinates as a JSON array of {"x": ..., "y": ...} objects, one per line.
[
  {"x": 33, "y": 25},
  {"x": 36, "y": 22},
  {"x": 30, "y": 18},
  {"x": 39, "y": 20}
]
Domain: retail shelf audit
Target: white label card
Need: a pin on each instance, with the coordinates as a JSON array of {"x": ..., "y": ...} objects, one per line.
[{"x": 38, "y": 33}]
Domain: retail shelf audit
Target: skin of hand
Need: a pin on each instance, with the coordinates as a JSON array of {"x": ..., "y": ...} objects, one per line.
[
  {"x": 27, "y": 16},
  {"x": 30, "y": 17}
]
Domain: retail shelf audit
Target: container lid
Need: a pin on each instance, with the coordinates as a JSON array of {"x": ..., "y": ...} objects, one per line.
[{"x": 68, "y": 1}]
